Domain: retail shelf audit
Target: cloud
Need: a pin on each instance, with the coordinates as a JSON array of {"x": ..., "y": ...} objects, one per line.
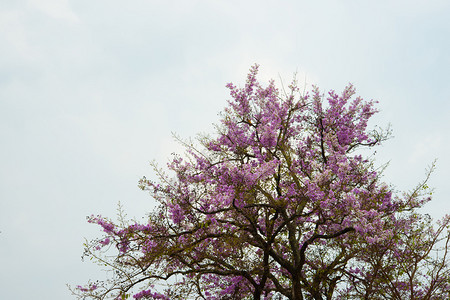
[
  {"x": 14, "y": 37},
  {"x": 426, "y": 149},
  {"x": 58, "y": 9}
]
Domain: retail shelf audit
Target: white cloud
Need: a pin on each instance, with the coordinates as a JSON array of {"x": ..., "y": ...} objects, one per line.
[
  {"x": 58, "y": 9},
  {"x": 426, "y": 149},
  {"x": 14, "y": 37}
]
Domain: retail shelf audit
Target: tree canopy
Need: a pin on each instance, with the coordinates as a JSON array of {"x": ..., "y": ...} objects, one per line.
[{"x": 281, "y": 202}]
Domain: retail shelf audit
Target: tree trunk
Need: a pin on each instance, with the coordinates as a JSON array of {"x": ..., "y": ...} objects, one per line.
[{"x": 296, "y": 289}]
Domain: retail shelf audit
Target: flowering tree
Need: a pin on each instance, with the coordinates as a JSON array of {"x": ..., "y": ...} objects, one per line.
[{"x": 279, "y": 204}]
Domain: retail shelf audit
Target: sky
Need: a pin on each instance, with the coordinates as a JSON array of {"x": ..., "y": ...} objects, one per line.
[{"x": 91, "y": 91}]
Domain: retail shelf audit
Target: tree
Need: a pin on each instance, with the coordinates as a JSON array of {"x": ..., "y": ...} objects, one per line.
[{"x": 279, "y": 204}]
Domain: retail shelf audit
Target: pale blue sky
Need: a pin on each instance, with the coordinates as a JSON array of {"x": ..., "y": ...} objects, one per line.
[{"x": 90, "y": 91}]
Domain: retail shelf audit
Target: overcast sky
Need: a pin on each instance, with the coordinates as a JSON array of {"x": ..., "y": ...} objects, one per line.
[{"x": 90, "y": 91}]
